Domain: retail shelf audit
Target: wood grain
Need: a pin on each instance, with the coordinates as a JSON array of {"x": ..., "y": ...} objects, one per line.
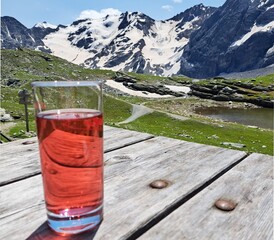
[
  {"x": 22, "y": 161},
  {"x": 129, "y": 201},
  {"x": 249, "y": 185}
]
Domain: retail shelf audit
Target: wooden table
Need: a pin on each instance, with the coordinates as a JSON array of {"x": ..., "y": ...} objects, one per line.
[{"x": 197, "y": 176}]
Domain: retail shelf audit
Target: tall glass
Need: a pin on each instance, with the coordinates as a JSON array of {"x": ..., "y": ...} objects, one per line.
[{"x": 70, "y": 132}]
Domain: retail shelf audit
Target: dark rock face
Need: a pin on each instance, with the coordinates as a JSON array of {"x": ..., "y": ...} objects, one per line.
[
  {"x": 217, "y": 47},
  {"x": 15, "y": 35},
  {"x": 196, "y": 15},
  {"x": 131, "y": 83},
  {"x": 233, "y": 91},
  {"x": 40, "y": 32},
  {"x": 137, "y": 20}
]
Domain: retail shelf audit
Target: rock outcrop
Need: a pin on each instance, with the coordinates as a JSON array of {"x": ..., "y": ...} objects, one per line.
[{"x": 234, "y": 91}]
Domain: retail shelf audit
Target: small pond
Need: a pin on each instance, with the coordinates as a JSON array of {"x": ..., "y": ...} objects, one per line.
[{"x": 261, "y": 117}]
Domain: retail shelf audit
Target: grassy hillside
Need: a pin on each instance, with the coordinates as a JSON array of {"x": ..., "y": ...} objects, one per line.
[{"x": 21, "y": 67}]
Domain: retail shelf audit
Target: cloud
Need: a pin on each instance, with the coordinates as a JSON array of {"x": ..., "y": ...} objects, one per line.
[
  {"x": 96, "y": 15},
  {"x": 177, "y": 1},
  {"x": 167, "y": 7}
]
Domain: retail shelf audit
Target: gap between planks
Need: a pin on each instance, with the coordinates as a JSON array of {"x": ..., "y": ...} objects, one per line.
[
  {"x": 139, "y": 232},
  {"x": 4, "y": 183},
  {"x": 129, "y": 144}
]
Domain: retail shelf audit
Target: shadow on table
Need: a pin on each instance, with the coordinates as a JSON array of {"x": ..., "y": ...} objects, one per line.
[{"x": 45, "y": 233}]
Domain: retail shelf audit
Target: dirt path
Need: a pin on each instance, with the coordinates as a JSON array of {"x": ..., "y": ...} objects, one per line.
[
  {"x": 137, "y": 111},
  {"x": 140, "y": 110}
]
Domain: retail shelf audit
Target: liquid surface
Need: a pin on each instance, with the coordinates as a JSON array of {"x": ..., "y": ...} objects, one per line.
[{"x": 71, "y": 151}]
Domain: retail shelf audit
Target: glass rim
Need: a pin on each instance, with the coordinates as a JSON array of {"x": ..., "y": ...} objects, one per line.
[{"x": 68, "y": 83}]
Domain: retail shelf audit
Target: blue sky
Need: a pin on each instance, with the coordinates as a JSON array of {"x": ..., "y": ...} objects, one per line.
[{"x": 30, "y": 12}]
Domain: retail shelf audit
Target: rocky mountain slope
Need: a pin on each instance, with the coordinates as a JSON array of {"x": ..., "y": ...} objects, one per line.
[
  {"x": 130, "y": 42},
  {"x": 200, "y": 42},
  {"x": 15, "y": 35},
  {"x": 238, "y": 37}
]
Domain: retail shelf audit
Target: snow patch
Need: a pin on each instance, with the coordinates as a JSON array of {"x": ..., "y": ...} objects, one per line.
[
  {"x": 178, "y": 88},
  {"x": 270, "y": 7},
  {"x": 124, "y": 89},
  {"x": 263, "y": 2},
  {"x": 45, "y": 25},
  {"x": 61, "y": 47},
  {"x": 8, "y": 32},
  {"x": 31, "y": 37},
  {"x": 189, "y": 25},
  {"x": 266, "y": 28},
  {"x": 162, "y": 49},
  {"x": 270, "y": 51}
]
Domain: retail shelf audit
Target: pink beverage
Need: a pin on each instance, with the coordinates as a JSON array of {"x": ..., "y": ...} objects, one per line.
[{"x": 71, "y": 151}]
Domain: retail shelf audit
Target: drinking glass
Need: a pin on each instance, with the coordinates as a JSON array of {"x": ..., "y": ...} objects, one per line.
[{"x": 69, "y": 124}]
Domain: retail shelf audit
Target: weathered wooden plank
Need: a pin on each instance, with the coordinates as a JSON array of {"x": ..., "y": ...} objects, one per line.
[
  {"x": 129, "y": 201},
  {"x": 23, "y": 160},
  {"x": 249, "y": 185},
  {"x": 116, "y": 138}
]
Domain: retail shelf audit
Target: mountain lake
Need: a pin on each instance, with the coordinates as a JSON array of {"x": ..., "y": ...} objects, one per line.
[{"x": 260, "y": 117}]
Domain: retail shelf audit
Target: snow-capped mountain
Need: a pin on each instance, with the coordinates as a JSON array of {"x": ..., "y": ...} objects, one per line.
[
  {"x": 129, "y": 42},
  {"x": 15, "y": 35},
  {"x": 238, "y": 37},
  {"x": 199, "y": 42},
  {"x": 45, "y": 25},
  {"x": 40, "y": 30}
]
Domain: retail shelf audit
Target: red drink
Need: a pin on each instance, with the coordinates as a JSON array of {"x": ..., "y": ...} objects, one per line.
[{"x": 71, "y": 151}]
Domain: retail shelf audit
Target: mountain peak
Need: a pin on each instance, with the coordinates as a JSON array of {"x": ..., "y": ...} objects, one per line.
[
  {"x": 199, "y": 42},
  {"x": 193, "y": 12},
  {"x": 45, "y": 25},
  {"x": 16, "y": 35},
  {"x": 138, "y": 19}
]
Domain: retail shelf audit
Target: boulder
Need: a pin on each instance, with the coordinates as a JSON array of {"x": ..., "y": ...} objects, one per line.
[
  {"x": 13, "y": 82},
  {"x": 237, "y": 97},
  {"x": 227, "y": 90},
  {"x": 124, "y": 79},
  {"x": 261, "y": 102},
  {"x": 231, "y": 144},
  {"x": 5, "y": 117},
  {"x": 221, "y": 97},
  {"x": 244, "y": 85},
  {"x": 203, "y": 89},
  {"x": 201, "y": 94},
  {"x": 260, "y": 89},
  {"x": 271, "y": 87}
]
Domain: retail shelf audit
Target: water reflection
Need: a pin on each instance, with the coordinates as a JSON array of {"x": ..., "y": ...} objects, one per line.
[{"x": 261, "y": 117}]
